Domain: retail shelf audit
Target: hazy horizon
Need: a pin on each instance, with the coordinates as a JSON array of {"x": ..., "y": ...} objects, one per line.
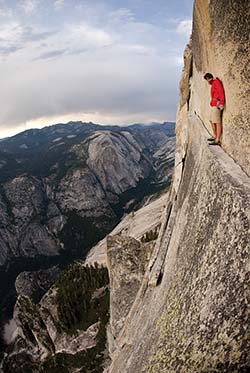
[
  {"x": 98, "y": 124},
  {"x": 110, "y": 62}
]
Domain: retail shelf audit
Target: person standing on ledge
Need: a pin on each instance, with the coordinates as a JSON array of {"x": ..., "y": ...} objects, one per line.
[{"x": 216, "y": 106}]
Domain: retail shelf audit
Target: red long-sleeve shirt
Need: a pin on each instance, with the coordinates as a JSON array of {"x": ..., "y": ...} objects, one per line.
[{"x": 217, "y": 93}]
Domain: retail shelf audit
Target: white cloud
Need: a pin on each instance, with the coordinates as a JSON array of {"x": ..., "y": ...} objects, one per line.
[
  {"x": 72, "y": 39},
  {"x": 86, "y": 35},
  {"x": 139, "y": 49},
  {"x": 121, "y": 15},
  {"x": 59, "y": 4},
  {"x": 118, "y": 85},
  {"x": 10, "y": 34},
  {"x": 15, "y": 36},
  {"x": 5, "y": 12},
  {"x": 185, "y": 27},
  {"x": 29, "y": 6},
  {"x": 100, "y": 64}
]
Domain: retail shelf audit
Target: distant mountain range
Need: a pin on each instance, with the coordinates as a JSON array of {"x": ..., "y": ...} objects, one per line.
[{"x": 65, "y": 186}]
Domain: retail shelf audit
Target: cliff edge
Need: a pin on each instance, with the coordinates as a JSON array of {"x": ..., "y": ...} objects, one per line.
[{"x": 191, "y": 312}]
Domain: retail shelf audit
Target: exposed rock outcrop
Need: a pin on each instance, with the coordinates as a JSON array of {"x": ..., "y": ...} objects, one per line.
[
  {"x": 186, "y": 308},
  {"x": 197, "y": 317},
  {"x": 65, "y": 188},
  {"x": 42, "y": 342},
  {"x": 127, "y": 260},
  {"x": 221, "y": 45},
  {"x": 123, "y": 155},
  {"x": 136, "y": 224},
  {"x": 33, "y": 329},
  {"x": 77, "y": 175},
  {"x": 35, "y": 284}
]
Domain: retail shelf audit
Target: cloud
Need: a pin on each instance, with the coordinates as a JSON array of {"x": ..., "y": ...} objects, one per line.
[
  {"x": 37, "y": 35},
  {"x": 59, "y": 4},
  {"x": 10, "y": 36},
  {"x": 88, "y": 35},
  {"x": 121, "y": 15},
  {"x": 115, "y": 84},
  {"x": 29, "y": 6},
  {"x": 185, "y": 27},
  {"x": 51, "y": 54},
  {"x": 14, "y": 36},
  {"x": 71, "y": 39},
  {"x": 100, "y": 61},
  {"x": 5, "y": 12}
]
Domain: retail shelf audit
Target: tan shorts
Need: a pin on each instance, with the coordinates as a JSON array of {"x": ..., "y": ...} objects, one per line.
[{"x": 215, "y": 114}]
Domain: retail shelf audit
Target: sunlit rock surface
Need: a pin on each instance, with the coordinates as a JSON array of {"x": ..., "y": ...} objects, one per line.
[
  {"x": 221, "y": 46},
  {"x": 91, "y": 179},
  {"x": 136, "y": 225},
  {"x": 191, "y": 313}
]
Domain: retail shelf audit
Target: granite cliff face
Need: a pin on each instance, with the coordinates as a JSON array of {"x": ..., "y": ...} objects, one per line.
[
  {"x": 40, "y": 342},
  {"x": 191, "y": 312},
  {"x": 62, "y": 189},
  {"x": 221, "y": 45},
  {"x": 181, "y": 303},
  {"x": 76, "y": 174}
]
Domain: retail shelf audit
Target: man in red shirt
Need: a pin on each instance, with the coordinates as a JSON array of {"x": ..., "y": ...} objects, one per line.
[{"x": 216, "y": 106}]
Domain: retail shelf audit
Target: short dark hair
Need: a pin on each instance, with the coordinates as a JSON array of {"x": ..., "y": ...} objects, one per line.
[{"x": 208, "y": 76}]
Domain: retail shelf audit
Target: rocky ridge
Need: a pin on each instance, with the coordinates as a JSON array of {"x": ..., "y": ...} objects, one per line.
[
  {"x": 39, "y": 340},
  {"x": 60, "y": 194},
  {"x": 188, "y": 308},
  {"x": 78, "y": 175}
]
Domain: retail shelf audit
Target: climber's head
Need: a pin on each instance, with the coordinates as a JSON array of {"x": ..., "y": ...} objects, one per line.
[{"x": 209, "y": 78}]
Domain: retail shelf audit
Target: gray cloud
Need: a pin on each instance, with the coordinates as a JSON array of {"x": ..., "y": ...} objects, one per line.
[
  {"x": 120, "y": 87},
  {"x": 110, "y": 65},
  {"x": 9, "y": 49},
  {"x": 15, "y": 36},
  {"x": 31, "y": 35},
  {"x": 29, "y": 6},
  {"x": 50, "y": 54}
]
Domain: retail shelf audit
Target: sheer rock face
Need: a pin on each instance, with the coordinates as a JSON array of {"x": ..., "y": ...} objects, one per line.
[
  {"x": 6, "y": 244},
  {"x": 186, "y": 73},
  {"x": 221, "y": 45},
  {"x": 82, "y": 182},
  {"x": 82, "y": 192},
  {"x": 22, "y": 228},
  {"x": 126, "y": 260},
  {"x": 197, "y": 319},
  {"x": 26, "y": 196},
  {"x": 124, "y": 160}
]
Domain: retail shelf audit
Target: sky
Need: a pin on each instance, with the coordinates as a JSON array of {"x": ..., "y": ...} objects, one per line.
[{"x": 105, "y": 61}]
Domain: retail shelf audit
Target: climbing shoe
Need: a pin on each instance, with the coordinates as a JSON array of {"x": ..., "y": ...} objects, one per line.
[{"x": 214, "y": 143}]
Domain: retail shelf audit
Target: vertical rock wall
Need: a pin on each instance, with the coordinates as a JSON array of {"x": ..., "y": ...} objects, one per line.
[
  {"x": 221, "y": 45},
  {"x": 197, "y": 318}
]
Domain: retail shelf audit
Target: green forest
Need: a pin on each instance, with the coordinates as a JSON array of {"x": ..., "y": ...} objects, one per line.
[
  {"x": 82, "y": 300},
  {"x": 77, "y": 308}
]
